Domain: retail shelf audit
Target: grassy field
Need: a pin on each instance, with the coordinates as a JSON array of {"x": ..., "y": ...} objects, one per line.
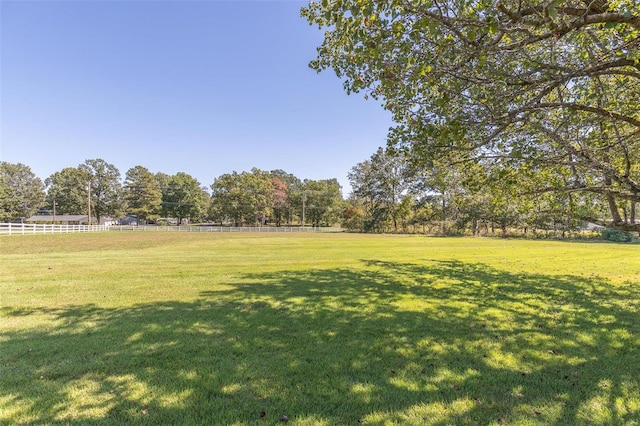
[{"x": 339, "y": 329}]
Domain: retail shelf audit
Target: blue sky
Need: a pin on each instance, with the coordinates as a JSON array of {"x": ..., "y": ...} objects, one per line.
[{"x": 202, "y": 87}]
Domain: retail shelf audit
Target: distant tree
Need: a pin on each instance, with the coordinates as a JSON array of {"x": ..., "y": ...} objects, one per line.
[
  {"x": 21, "y": 191},
  {"x": 423, "y": 215},
  {"x": 4, "y": 189},
  {"x": 280, "y": 200},
  {"x": 293, "y": 194},
  {"x": 105, "y": 188},
  {"x": 68, "y": 190},
  {"x": 323, "y": 202},
  {"x": 142, "y": 193},
  {"x": 474, "y": 210},
  {"x": 245, "y": 197},
  {"x": 353, "y": 215},
  {"x": 163, "y": 181},
  {"x": 288, "y": 178},
  {"x": 404, "y": 211},
  {"x": 184, "y": 198},
  {"x": 227, "y": 199},
  {"x": 381, "y": 182},
  {"x": 258, "y": 189},
  {"x": 5, "y": 197}
]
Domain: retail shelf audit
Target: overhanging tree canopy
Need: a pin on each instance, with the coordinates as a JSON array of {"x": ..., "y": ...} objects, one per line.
[{"x": 547, "y": 89}]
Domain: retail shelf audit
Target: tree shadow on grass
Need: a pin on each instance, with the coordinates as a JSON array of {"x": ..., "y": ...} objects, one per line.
[{"x": 432, "y": 343}]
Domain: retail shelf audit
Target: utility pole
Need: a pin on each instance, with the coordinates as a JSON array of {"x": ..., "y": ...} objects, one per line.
[
  {"x": 54, "y": 211},
  {"x": 89, "y": 202},
  {"x": 304, "y": 196}
]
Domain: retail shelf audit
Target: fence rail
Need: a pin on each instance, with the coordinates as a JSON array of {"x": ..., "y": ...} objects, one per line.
[
  {"x": 41, "y": 228},
  {"x": 221, "y": 228}
]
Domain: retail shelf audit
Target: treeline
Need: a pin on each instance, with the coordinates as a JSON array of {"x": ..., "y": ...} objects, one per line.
[
  {"x": 389, "y": 194},
  {"x": 246, "y": 198},
  {"x": 392, "y": 194}
]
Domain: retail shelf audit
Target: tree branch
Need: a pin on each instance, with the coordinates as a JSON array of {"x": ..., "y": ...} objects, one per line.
[{"x": 574, "y": 107}]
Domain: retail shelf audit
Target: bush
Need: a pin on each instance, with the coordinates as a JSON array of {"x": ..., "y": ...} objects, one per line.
[{"x": 616, "y": 235}]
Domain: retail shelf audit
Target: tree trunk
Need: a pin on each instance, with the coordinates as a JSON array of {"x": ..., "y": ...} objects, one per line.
[
  {"x": 613, "y": 207},
  {"x": 444, "y": 216}
]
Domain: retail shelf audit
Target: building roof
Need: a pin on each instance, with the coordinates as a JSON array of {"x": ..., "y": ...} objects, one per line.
[{"x": 59, "y": 218}]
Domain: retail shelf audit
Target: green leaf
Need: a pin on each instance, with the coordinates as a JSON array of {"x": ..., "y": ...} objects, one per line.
[{"x": 425, "y": 69}]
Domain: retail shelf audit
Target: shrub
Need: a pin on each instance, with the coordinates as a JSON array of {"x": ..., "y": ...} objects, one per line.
[{"x": 616, "y": 235}]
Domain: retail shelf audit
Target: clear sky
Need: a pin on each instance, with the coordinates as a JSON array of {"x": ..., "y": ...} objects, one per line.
[{"x": 202, "y": 87}]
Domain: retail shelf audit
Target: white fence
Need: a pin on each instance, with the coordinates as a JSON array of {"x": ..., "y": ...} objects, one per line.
[
  {"x": 34, "y": 228},
  {"x": 221, "y": 228}
]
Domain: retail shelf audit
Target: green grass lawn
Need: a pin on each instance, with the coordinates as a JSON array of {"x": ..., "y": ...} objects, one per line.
[{"x": 326, "y": 329}]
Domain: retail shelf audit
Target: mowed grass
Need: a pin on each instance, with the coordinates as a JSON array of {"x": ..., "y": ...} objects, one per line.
[{"x": 335, "y": 329}]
